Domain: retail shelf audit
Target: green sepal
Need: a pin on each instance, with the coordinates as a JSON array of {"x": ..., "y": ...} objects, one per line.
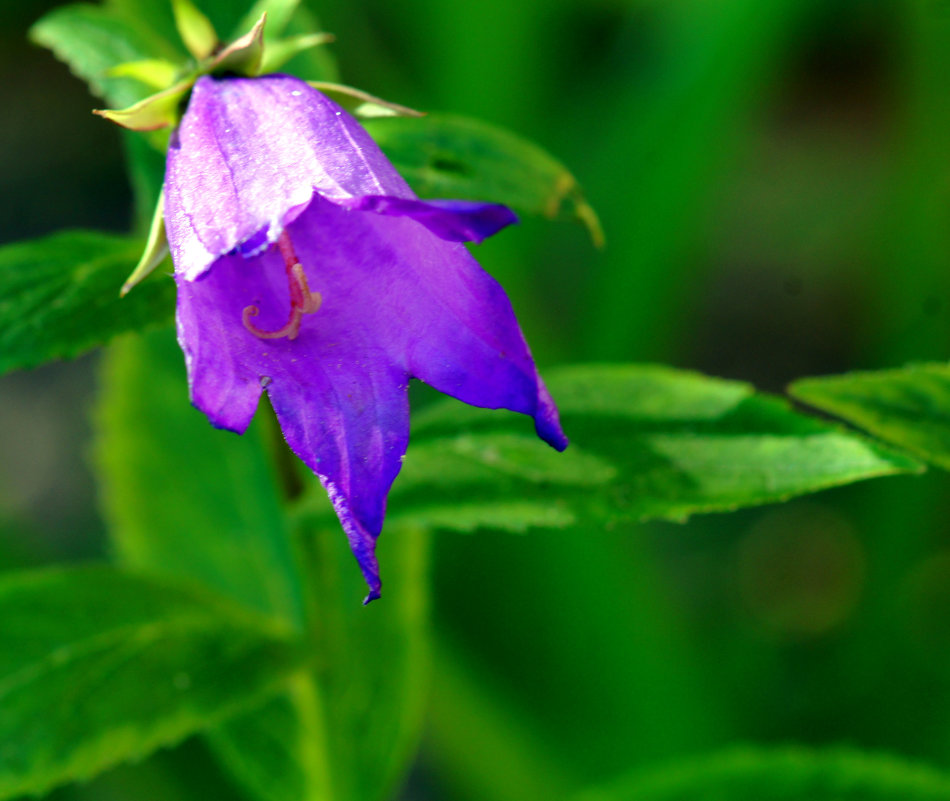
[
  {"x": 156, "y": 248},
  {"x": 280, "y": 51},
  {"x": 156, "y": 73},
  {"x": 154, "y": 112},
  {"x": 243, "y": 55},
  {"x": 361, "y": 103},
  {"x": 279, "y": 14},
  {"x": 195, "y": 29}
]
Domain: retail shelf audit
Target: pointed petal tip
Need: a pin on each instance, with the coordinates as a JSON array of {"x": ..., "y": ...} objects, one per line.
[
  {"x": 547, "y": 420},
  {"x": 370, "y": 569},
  {"x": 374, "y": 595},
  {"x": 551, "y": 433}
]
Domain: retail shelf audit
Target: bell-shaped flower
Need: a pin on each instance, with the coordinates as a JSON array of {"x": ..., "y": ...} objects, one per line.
[{"x": 307, "y": 268}]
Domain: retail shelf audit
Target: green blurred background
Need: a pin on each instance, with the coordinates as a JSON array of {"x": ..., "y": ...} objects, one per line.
[{"x": 774, "y": 183}]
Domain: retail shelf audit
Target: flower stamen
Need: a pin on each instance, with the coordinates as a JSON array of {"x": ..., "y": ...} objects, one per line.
[{"x": 302, "y": 300}]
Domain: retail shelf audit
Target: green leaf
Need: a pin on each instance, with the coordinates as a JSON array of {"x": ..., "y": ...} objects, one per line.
[
  {"x": 93, "y": 40},
  {"x": 786, "y": 774},
  {"x": 446, "y": 156},
  {"x": 225, "y": 528},
  {"x": 646, "y": 442},
  {"x": 228, "y": 530},
  {"x": 908, "y": 407},
  {"x": 98, "y": 667},
  {"x": 348, "y": 731},
  {"x": 59, "y": 296}
]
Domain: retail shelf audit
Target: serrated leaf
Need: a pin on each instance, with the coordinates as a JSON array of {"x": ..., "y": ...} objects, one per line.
[
  {"x": 908, "y": 407},
  {"x": 98, "y": 667},
  {"x": 93, "y": 40},
  {"x": 59, "y": 296},
  {"x": 646, "y": 442},
  {"x": 446, "y": 156},
  {"x": 783, "y": 774}
]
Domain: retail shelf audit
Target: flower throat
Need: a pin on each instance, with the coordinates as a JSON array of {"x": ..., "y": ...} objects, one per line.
[{"x": 302, "y": 300}]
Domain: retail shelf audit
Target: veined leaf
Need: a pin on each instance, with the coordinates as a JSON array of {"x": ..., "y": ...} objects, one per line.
[
  {"x": 783, "y": 774},
  {"x": 98, "y": 667},
  {"x": 646, "y": 442},
  {"x": 908, "y": 407},
  {"x": 59, "y": 296},
  {"x": 446, "y": 156}
]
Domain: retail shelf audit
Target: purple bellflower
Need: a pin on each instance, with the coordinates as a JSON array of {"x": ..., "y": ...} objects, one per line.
[{"x": 308, "y": 269}]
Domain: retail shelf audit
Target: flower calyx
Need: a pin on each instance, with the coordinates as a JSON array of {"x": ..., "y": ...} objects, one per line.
[{"x": 246, "y": 55}]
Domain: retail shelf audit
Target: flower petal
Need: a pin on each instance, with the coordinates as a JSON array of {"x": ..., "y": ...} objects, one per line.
[
  {"x": 248, "y": 157},
  {"x": 453, "y": 220},
  {"x": 396, "y": 301},
  {"x": 439, "y": 315},
  {"x": 341, "y": 403},
  {"x": 350, "y": 425}
]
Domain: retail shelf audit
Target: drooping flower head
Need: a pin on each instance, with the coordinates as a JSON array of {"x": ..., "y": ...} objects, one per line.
[{"x": 307, "y": 269}]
